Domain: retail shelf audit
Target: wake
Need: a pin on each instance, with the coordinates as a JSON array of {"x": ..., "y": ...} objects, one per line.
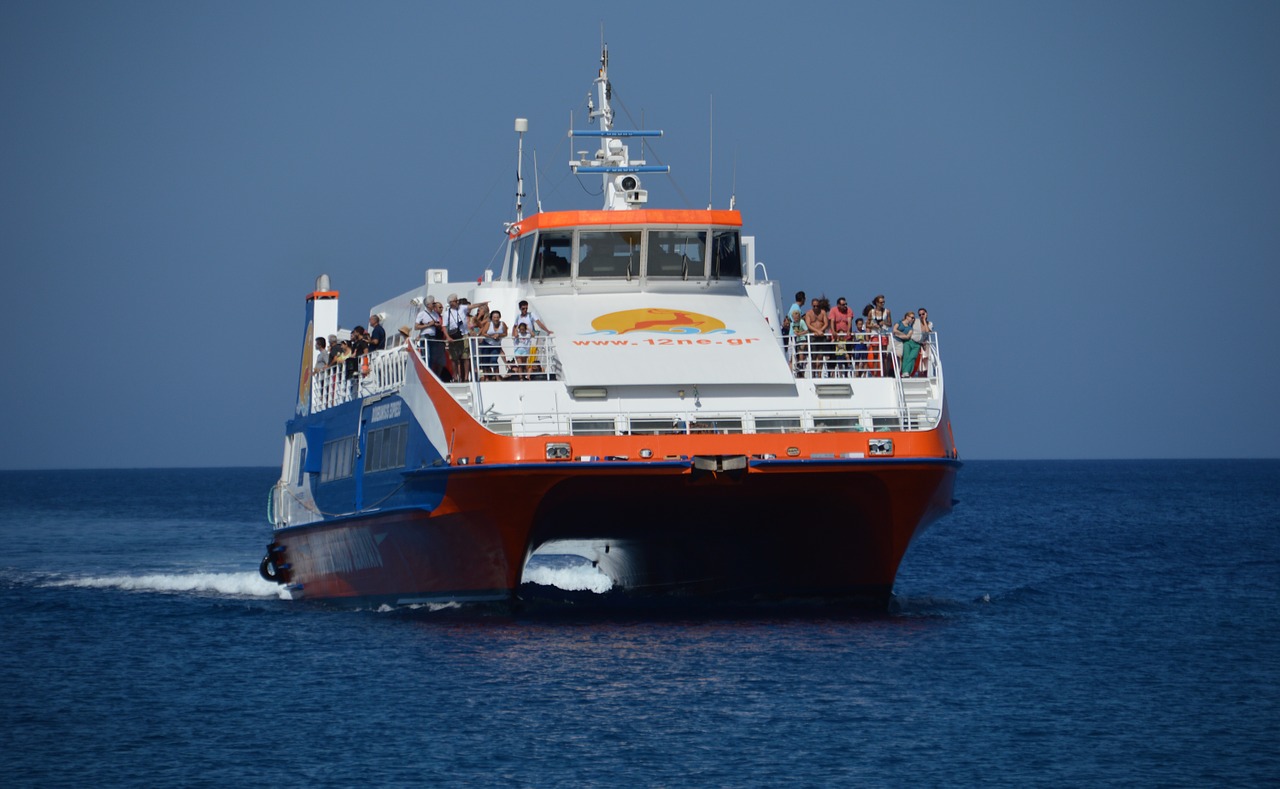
[{"x": 248, "y": 584}]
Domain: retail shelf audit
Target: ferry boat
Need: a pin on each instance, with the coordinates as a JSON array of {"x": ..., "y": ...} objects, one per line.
[{"x": 655, "y": 423}]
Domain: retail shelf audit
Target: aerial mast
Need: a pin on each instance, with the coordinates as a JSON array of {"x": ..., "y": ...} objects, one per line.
[
  {"x": 612, "y": 161},
  {"x": 522, "y": 126}
]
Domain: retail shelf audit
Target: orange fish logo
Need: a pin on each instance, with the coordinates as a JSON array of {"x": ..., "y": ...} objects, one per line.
[{"x": 659, "y": 320}]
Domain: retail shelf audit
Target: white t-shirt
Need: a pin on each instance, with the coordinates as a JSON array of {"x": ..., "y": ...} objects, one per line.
[
  {"x": 456, "y": 317},
  {"x": 529, "y": 319}
]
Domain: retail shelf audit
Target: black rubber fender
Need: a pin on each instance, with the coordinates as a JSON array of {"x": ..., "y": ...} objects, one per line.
[{"x": 267, "y": 569}]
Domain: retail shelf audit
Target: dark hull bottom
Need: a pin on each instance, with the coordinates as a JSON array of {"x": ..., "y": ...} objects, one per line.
[{"x": 829, "y": 534}]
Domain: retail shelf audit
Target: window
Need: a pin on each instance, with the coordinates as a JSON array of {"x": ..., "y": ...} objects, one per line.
[
  {"x": 676, "y": 253},
  {"x": 614, "y": 254},
  {"x": 777, "y": 424},
  {"x": 338, "y": 459},
  {"x": 384, "y": 448},
  {"x": 554, "y": 250},
  {"x": 836, "y": 424},
  {"x": 523, "y": 262},
  {"x": 592, "y": 427},
  {"x": 654, "y": 427},
  {"x": 726, "y": 255}
]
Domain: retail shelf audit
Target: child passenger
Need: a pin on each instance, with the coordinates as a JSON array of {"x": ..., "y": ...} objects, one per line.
[{"x": 523, "y": 342}]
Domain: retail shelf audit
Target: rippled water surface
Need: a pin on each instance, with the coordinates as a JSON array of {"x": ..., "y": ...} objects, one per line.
[{"x": 1071, "y": 623}]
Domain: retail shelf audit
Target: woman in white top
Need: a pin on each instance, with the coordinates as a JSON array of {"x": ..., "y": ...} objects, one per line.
[
  {"x": 923, "y": 328},
  {"x": 878, "y": 313},
  {"x": 492, "y": 333}
]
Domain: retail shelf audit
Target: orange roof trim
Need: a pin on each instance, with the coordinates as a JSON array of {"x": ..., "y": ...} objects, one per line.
[{"x": 643, "y": 216}]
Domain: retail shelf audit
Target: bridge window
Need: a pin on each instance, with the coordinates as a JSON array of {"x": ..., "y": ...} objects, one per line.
[
  {"x": 522, "y": 252},
  {"x": 551, "y": 261},
  {"x": 726, "y": 255},
  {"x": 613, "y": 254},
  {"x": 677, "y": 253}
]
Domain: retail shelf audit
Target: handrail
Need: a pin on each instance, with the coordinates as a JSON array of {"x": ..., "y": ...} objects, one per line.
[
  {"x": 864, "y": 357},
  {"x": 359, "y": 376}
]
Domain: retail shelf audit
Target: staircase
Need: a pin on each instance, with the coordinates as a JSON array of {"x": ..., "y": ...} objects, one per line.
[
  {"x": 919, "y": 395},
  {"x": 463, "y": 394}
]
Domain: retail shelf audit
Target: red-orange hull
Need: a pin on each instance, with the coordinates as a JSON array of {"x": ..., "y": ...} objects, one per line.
[{"x": 777, "y": 530}]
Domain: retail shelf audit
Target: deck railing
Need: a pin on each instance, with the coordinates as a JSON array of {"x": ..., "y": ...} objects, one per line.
[
  {"x": 863, "y": 356},
  {"x": 359, "y": 376}
]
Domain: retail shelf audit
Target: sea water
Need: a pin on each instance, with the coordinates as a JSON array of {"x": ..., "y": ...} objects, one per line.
[{"x": 1071, "y": 623}]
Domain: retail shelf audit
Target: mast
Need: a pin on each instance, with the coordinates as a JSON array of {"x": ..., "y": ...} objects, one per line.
[
  {"x": 522, "y": 126},
  {"x": 612, "y": 161}
]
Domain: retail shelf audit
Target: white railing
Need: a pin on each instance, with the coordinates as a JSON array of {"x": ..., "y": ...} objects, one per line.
[
  {"x": 863, "y": 355},
  {"x": 508, "y": 362},
  {"x": 866, "y": 355},
  {"x": 361, "y": 376}
]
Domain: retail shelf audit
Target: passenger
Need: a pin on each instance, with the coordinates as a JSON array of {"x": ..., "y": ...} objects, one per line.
[
  {"x": 491, "y": 345},
  {"x": 359, "y": 341},
  {"x": 878, "y": 313},
  {"x": 434, "y": 339},
  {"x": 861, "y": 359},
  {"x": 523, "y": 346},
  {"x": 377, "y": 334},
  {"x": 816, "y": 322},
  {"x": 479, "y": 311},
  {"x": 403, "y": 342},
  {"x": 796, "y": 311},
  {"x": 923, "y": 328},
  {"x": 910, "y": 348},
  {"x": 455, "y": 323},
  {"x": 877, "y": 349},
  {"x": 322, "y": 355},
  {"x": 840, "y": 323},
  {"x": 338, "y": 353},
  {"x": 799, "y": 344},
  {"x": 341, "y": 356},
  {"x": 530, "y": 318}
]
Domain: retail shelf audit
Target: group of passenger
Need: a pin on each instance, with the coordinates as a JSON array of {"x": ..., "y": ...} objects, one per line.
[
  {"x": 825, "y": 341},
  {"x": 821, "y": 340},
  {"x": 332, "y": 352},
  {"x": 447, "y": 334}
]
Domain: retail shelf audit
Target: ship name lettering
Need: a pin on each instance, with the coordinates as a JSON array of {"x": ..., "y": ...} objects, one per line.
[{"x": 385, "y": 411}]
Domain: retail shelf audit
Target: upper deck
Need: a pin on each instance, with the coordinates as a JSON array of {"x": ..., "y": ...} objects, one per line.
[{"x": 861, "y": 390}]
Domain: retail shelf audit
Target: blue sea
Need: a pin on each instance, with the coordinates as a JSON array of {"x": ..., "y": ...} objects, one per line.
[{"x": 1071, "y": 623}]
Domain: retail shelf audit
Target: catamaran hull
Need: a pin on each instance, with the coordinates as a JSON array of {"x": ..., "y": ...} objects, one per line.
[{"x": 777, "y": 530}]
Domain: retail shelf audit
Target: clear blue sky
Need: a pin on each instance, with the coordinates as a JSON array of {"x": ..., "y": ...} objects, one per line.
[{"x": 1086, "y": 196}]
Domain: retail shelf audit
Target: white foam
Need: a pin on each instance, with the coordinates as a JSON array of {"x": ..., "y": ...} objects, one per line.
[
  {"x": 432, "y": 607},
  {"x": 232, "y": 584},
  {"x": 571, "y": 579}
]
